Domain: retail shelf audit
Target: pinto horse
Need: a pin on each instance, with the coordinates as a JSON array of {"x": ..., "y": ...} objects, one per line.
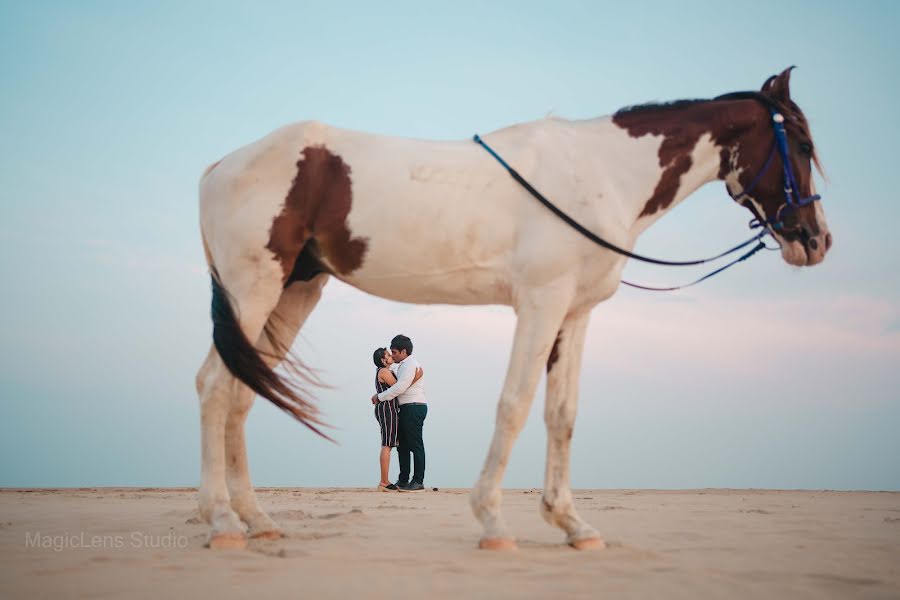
[{"x": 441, "y": 222}]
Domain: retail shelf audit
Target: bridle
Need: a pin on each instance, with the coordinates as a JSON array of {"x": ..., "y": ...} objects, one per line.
[
  {"x": 793, "y": 201},
  {"x": 793, "y": 198}
]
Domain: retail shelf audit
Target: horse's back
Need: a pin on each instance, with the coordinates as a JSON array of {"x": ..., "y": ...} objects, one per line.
[{"x": 432, "y": 221}]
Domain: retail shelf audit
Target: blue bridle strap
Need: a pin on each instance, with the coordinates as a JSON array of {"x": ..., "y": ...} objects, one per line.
[
  {"x": 791, "y": 189},
  {"x": 792, "y": 196},
  {"x": 759, "y": 175}
]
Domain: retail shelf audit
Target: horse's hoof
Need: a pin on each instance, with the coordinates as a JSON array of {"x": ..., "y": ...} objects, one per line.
[
  {"x": 590, "y": 543},
  {"x": 228, "y": 541},
  {"x": 270, "y": 534},
  {"x": 501, "y": 544}
]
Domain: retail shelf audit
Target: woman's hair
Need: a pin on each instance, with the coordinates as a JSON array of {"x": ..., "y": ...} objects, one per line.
[{"x": 378, "y": 356}]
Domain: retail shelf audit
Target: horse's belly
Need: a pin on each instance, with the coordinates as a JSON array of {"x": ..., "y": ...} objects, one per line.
[
  {"x": 403, "y": 283},
  {"x": 429, "y": 243}
]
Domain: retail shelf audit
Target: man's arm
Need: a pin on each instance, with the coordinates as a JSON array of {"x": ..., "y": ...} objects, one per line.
[
  {"x": 405, "y": 377},
  {"x": 419, "y": 373}
]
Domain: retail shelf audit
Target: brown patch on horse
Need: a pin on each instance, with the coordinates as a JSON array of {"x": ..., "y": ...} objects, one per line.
[
  {"x": 738, "y": 123},
  {"x": 665, "y": 191},
  {"x": 725, "y": 166},
  {"x": 314, "y": 219},
  {"x": 680, "y": 135},
  {"x": 554, "y": 352}
]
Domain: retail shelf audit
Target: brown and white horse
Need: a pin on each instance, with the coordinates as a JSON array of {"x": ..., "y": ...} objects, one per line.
[{"x": 442, "y": 222}]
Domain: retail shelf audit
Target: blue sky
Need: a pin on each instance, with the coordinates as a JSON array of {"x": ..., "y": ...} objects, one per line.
[{"x": 767, "y": 376}]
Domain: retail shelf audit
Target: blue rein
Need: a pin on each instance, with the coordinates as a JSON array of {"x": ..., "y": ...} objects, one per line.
[{"x": 793, "y": 201}]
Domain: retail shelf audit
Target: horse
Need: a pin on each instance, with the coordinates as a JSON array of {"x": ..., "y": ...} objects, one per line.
[{"x": 441, "y": 222}]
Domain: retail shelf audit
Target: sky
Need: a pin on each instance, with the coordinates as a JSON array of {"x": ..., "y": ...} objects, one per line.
[{"x": 767, "y": 376}]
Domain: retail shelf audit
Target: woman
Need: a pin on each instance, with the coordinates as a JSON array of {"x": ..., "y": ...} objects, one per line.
[{"x": 386, "y": 413}]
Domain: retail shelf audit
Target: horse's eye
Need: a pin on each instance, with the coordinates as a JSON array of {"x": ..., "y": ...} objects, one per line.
[{"x": 806, "y": 148}]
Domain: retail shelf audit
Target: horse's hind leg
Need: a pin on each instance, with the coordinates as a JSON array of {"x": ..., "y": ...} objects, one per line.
[
  {"x": 294, "y": 306},
  {"x": 218, "y": 390},
  {"x": 540, "y": 312},
  {"x": 214, "y": 387},
  {"x": 559, "y": 416}
]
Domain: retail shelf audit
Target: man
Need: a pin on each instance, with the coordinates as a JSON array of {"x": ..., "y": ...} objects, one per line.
[{"x": 413, "y": 409}]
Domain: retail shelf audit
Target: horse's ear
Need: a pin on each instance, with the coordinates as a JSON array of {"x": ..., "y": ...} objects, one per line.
[{"x": 778, "y": 86}]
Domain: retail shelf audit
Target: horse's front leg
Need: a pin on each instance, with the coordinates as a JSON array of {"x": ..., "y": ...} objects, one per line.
[
  {"x": 540, "y": 312},
  {"x": 563, "y": 370}
]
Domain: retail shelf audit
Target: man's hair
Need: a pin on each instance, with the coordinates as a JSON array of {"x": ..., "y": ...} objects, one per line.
[
  {"x": 378, "y": 356},
  {"x": 401, "y": 342}
]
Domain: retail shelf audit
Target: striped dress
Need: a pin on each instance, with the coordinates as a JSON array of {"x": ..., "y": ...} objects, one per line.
[{"x": 386, "y": 413}]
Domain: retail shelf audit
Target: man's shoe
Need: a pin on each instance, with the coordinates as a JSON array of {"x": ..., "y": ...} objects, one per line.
[
  {"x": 391, "y": 487},
  {"x": 412, "y": 486}
]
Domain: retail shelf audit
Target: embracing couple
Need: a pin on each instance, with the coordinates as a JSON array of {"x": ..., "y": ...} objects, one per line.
[{"x": 400, "y": 409}]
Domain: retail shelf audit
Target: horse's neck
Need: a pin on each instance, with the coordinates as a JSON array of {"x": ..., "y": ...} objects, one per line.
[
  {"x": 679, "y": 179},
  {"x": 656, "y": 160}
]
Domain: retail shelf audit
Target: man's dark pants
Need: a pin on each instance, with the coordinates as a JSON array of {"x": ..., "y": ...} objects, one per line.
[{"x": 412, "y": 417}]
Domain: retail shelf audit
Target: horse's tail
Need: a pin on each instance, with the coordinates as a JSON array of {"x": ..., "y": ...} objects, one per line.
[{"x": 246, "y": 362}]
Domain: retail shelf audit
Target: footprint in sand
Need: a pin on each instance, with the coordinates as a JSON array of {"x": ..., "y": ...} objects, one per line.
[
  {"x": 844, "y": 579},
  {"x": 354, "y": 513},
  {"x": 292, "y": 514},
  {"x": 316, "y": 535}
]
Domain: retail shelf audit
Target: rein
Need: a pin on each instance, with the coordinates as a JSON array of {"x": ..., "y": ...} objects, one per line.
[
  {"x": 793, "y": 201},
  {"x": 610, "y": 246}
]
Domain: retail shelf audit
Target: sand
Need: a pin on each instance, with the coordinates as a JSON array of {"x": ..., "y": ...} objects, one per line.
[{"x": 360, "y": 543}]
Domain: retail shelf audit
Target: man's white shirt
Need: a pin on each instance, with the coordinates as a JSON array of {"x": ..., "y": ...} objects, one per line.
[{"x": 405, "y": 390}]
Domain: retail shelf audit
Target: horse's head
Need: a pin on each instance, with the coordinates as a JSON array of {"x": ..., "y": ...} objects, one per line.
[{"x": 774, "y": 183}]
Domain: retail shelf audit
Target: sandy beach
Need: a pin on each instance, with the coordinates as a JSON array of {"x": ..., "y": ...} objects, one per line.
[{"x": 359, "y": 543}]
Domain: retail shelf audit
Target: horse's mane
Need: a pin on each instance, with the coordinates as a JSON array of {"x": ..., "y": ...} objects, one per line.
[{"x": 648, "y": 107}]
